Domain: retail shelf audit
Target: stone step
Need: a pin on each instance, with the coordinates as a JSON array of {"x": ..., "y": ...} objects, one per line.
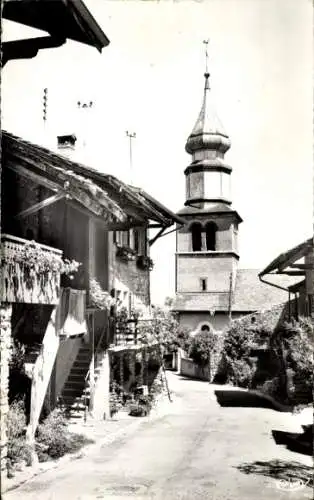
[
  {"x": 75, "y": 381},
  {"x": 79, "y": 368}
]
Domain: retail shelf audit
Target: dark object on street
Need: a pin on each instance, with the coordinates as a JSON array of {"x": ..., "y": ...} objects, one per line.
[
  {"x": 248, "y": 399},
  {"x": 299, "y": 443}
]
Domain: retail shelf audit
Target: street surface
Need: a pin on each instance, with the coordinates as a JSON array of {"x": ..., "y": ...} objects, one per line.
[{"x": 191, "y": 449}]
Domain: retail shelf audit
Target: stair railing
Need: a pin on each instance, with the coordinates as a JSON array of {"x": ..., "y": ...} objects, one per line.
[{"x": 94, "y": 356}]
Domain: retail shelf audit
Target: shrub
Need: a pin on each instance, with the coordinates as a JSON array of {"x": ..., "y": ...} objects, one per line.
[
  {"x": 236, "y": 344},
  {"x": 241, "y": 373},
  {"x": 56, "y": 438},
  {"x": 18, "y": 449},
  {"x": 16, "y": 420},
  {"x": 292, "y": 344},
  {"x": 201, "y": 346}
]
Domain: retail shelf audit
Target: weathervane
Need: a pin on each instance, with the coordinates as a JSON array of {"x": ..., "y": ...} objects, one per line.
[{"x": 206, "y": 42}]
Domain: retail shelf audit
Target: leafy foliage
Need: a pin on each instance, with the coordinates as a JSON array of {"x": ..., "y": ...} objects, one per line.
[
  {"x": 38, "y": 260},
  {"x": 19, "y": 450},
  {"x": 294, "y": 346},
  {"x": 17, "y": 355},
  {"x": 164, "y": 328},
  {"x": 98, "y": 297},
  {"x": 289, "y": 377},
  {"x": 16, "y": 420},
  {"x": 55, "y": 437},
  {"x": 201, "y": 347}
]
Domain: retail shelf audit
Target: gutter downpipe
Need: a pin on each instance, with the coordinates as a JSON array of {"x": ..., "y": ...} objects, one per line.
[
  {"x": 272, "y": 284},
  {"x": 280, "y": 288}
]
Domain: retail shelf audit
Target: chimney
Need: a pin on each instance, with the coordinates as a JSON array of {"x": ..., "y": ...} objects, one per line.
[{"x": 66, "y": 143}]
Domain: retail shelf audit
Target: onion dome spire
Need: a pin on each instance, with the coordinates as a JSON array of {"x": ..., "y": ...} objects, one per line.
[{"x": 208, "y": 132}]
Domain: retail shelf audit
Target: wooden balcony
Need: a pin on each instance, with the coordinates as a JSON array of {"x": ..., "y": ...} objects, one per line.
[{"x": 26, "y": 280}]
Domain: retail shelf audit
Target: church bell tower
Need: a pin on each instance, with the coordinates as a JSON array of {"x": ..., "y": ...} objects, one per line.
[{"x": 207, "y": 245}]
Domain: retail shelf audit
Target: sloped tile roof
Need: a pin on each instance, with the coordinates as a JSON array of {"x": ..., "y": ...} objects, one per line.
[
  {"x": 196, "y": 302},
  {"x": 249, "y": 295},
  {"x": 102, "y": 194}
]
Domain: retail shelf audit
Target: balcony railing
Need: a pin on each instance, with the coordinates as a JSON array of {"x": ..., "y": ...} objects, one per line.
[{"x": 24, "y": 278}]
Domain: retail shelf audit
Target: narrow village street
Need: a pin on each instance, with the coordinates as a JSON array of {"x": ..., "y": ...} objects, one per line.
[{"x": 189, "y": 449}]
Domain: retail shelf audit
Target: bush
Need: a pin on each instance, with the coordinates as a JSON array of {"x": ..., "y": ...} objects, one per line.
[
  {"x": 201, "y": 347},
  {"x": 18, "y": 449},
  {"x": 56, "y": 438},
  {"x": 241, "y": 373},
  {"x": 16, "y": 420}
]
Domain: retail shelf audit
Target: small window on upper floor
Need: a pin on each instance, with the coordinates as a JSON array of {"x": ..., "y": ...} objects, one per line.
[
  {"x": 203, "y": 284},
  {"x": 125, "y": 238},
  {"x": 196, "y": 232},
  {"x": 211, "y": 232}
]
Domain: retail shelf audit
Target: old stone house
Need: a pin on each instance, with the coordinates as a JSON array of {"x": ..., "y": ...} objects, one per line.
[
  {"x": 210, "y": 287},
  {"x": 98, "y": 221},
  {"x": 60, "y": 21}
]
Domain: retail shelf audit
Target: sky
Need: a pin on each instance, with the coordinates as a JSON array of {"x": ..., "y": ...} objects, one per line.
[{"x": 149, "y": 80}]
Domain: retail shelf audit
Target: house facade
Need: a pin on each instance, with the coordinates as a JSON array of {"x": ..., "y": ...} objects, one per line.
[
  {"x": 99, "y": 222},
  {"x": 55, "y": 214},
  {"x": 60, "y": 21}
]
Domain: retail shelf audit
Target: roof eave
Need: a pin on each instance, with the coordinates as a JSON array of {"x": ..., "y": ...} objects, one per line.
[
  {"x": 86, "y": 31},
  {"x": 283, "y": 259}
]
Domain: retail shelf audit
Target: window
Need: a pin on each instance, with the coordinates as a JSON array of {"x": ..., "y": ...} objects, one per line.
[
  {"x": 136, "y": 240},
  {"x": 125, "y": 238},
  {"x": 196, "y": 231},
  {"x": 205, "y": 328},
  {"x": 203, "y": 284},
  {"x": 211, "y": 230}
]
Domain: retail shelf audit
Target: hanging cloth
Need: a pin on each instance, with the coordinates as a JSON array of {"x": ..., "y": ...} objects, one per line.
[{"x": 72, "y": 312}]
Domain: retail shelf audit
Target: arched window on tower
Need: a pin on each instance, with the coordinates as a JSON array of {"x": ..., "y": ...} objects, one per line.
[
  {"x": 211, "y": 230},
  {"x": 196, "y": 231}
]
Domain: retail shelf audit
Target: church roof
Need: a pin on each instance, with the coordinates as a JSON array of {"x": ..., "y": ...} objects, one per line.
[
  {"x": 250, "y": 295},
  {"x": 208, "y": 131},
  {"x": 209, "y": 208}
]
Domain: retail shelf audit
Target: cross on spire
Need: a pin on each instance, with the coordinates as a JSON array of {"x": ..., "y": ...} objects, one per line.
[{"x": 206, "y": 42}]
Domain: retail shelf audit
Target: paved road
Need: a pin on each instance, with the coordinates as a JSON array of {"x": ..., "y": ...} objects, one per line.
[{"x": 193, "y": 449}]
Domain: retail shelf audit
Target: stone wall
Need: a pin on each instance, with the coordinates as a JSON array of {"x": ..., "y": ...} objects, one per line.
[
  {"x": 270, "y": 317},
  {"x": 5, "y": 350}
]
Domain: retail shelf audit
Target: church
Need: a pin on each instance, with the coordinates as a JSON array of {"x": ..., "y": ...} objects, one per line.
[{"x": 210, "y": 287}]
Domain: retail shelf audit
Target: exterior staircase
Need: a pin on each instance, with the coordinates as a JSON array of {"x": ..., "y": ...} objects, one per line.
[{"x": 75, "y": 393}]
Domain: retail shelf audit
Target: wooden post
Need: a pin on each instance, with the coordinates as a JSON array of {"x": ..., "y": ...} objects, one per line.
[
  {"x": 141, "y": 375},
  {"x": 121, "y": 367},
  {"x": 42, "y": 373},
  {"x": 92, "y": 363}
]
